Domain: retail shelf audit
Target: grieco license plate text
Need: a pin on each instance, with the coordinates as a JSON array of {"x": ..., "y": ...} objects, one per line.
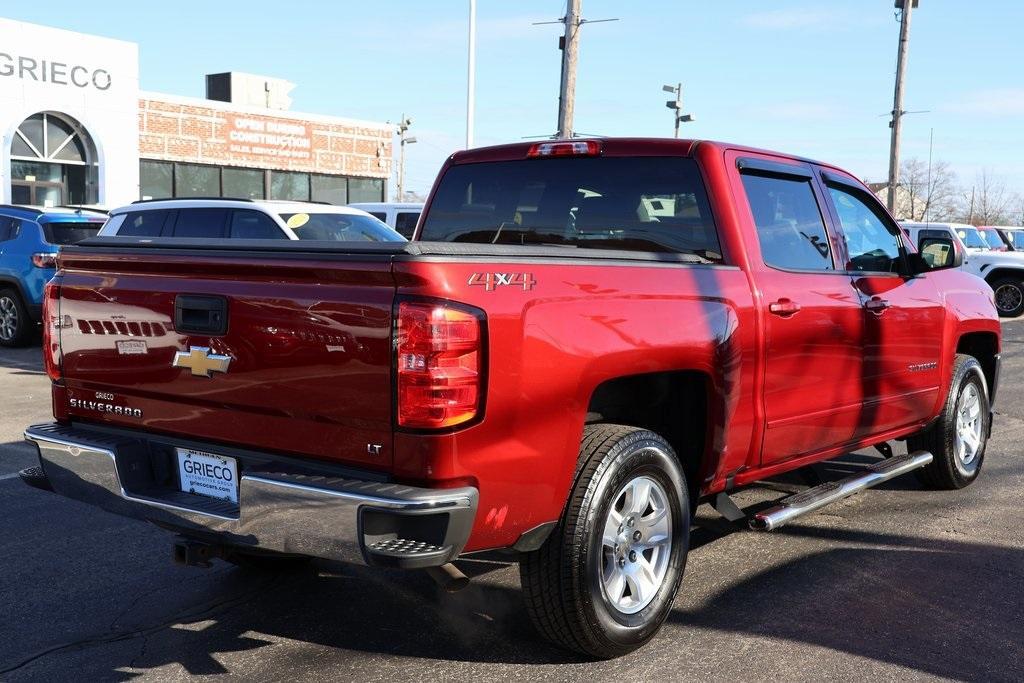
[{"x": 207, "y": 474}]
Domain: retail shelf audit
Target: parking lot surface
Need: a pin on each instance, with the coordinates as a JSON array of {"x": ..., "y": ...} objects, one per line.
[{"x": 894, "y": 583}]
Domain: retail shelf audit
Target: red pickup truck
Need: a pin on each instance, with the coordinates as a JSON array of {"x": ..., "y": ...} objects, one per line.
[{"x": 584, "y": 340}]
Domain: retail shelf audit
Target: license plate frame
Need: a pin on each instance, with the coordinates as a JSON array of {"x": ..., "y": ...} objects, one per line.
[{"x": 206, "y": 474}]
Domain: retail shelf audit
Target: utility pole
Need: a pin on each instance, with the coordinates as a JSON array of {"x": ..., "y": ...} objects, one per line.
[
  {"x": 897, "y": 107},
  {"x": 570, "y": 54},
  {"x": 403, "y": 126},
  {"x": 471, "y": 75},
  {"x": 676, "y": 106}
]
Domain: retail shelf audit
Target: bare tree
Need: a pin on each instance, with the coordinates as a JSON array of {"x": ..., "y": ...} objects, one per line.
[
  {"x": 926, "y": 193},
  {"x": 988, "y": 202}
]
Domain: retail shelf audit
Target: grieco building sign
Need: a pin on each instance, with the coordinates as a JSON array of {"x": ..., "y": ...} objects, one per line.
[
  {"x": 76, "y": 129},
  {"x": 58, "y": 73}
]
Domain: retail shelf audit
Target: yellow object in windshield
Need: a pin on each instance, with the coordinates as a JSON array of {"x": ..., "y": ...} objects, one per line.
[{"x": 298, "y": 220}]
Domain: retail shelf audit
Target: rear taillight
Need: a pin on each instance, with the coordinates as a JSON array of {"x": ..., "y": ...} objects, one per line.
[
  {"x": 52, "y": 358},
  {"x": 440, "y": 364},
  {"x": 44, "y": 260},
  {"x": 573, "y": 148}
]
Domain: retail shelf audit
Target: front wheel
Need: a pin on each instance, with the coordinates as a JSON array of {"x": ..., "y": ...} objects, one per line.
[
  {"x": 1009, "y": 296},
  {"x": 604, "y": 581},
  {"x": 957, "y": 439}
]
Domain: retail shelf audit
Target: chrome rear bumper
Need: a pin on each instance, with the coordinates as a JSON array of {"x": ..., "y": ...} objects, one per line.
[{"x": 325, "y": 516}]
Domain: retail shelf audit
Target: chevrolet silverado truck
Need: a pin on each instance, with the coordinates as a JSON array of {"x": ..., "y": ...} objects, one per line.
[{"x": 585, "y": 339}]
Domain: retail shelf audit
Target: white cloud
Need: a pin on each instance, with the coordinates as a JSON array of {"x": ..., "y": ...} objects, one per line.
[{"x": 991, "y": 102}]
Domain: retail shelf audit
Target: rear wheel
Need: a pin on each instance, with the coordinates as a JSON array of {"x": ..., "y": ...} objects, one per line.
[
  {"x": 15, "y": 326},
  {"x": 1009, "y": 295},
  {"x": 957, "y": 440},
  {"x": 604, "y": 581}
]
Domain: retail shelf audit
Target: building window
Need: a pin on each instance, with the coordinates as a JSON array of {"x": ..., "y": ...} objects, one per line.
[
  {"x": 156, "y": 179},
  {"x": 192, "y": 180},
  {"x": 332, "y": 189},
  {"x": 289, "y": 185},
  {"x": 243, "y": 183},
  {"x": 365, "y": 190}
]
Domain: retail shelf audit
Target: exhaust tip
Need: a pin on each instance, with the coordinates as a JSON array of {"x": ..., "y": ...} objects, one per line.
[{"x": 448, "y": 577}]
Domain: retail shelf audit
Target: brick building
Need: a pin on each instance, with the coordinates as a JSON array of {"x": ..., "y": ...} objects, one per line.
[{"x": 77, "y": 130}]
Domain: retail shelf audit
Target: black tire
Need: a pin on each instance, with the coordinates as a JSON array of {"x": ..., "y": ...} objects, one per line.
[
  {"x": 949, "y": 470},
  {"x": 1009, "y": 295},
  {"x": 563, "y": 581},
  {"x": 15, "y": 326},
  {"x": 267, "y": 562}
]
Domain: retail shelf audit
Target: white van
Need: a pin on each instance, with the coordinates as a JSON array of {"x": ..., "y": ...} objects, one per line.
[{"x": 402, "y": 216}]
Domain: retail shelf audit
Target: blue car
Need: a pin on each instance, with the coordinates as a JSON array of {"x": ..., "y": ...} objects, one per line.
[{"x": 29, "y": 241}]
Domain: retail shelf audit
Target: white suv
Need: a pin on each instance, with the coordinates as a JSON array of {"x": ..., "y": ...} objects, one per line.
[
  {"x": 245, "y": 219},
  {"x": 1002, "y": 270},
  {"x": 402, "y": 216}
]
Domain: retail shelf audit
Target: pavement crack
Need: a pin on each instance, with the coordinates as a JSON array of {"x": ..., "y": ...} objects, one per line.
[{"x": 196, "y": 613}]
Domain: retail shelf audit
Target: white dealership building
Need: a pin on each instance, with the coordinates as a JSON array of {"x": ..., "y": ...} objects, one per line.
[{"x": 76, "y": 129}]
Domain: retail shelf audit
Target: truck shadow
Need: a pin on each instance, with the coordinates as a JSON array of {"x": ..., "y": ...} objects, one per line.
[{"x": 941, "y": 607}]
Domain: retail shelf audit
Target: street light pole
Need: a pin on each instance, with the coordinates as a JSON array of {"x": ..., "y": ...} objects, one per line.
[
  {"x": 677, "y": 106},
  {"x": 897, "y": 106},
  {"x": 403, "y": 126},
  {"x": 471, "y": 75}
]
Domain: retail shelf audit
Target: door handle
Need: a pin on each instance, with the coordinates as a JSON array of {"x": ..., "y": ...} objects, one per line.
[
  {"x": 876, "y": 304},
  {"x": 783, "y": 307}
]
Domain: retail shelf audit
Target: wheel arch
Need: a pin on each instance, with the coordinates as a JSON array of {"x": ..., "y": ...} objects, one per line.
[
  {"x": 983, "y": 347},
  {"x": 675, "y": 404}
]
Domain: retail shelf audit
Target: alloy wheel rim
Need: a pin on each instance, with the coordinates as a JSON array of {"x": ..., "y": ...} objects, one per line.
[
  {"x": 636, "y": 545},
  {"x": 1009, "y": 297},
  {"x": 968, "y": 427},
  {"x": 8, "y": 318}
]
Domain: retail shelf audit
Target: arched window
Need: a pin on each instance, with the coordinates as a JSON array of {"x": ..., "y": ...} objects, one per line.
[{"x": 48, "y": 137}]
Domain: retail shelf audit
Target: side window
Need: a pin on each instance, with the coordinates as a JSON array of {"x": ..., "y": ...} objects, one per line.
[
  {"x": 872, "y": 244},
  {"x": 405, "y": 224},
  {"x": 790, "y": 228},
  {"x": 7, "y": 231},
  {"x": 202, "y": 223},
  {"x": 247, "y": 224},
  {"x": 379, "y": 215},
  {"x": 143, "y": 224}
]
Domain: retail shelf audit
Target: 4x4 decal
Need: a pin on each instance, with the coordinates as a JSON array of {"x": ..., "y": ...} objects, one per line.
[{"x": 491, "y": 281}]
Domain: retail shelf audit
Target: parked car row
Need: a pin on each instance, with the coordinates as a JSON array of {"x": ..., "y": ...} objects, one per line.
[{"x": 1002, "y": 269}]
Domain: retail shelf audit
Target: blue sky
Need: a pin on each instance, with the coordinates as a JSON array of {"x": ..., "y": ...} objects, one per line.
[{"x": 801, "y": 76}]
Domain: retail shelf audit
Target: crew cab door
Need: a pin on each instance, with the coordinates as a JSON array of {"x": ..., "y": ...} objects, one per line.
[
  {"x": 903, "y": 315},
  {"x": 811, "y": 314}
]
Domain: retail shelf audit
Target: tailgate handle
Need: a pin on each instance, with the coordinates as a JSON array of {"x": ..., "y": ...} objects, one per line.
[{"x": 207, "y": 315}]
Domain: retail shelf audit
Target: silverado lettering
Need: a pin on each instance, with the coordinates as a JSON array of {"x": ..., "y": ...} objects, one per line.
[{"x": 711, "y": 316}]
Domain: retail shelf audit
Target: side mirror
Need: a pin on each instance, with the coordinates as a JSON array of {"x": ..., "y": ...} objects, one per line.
[{"x": 937, "y": 253}]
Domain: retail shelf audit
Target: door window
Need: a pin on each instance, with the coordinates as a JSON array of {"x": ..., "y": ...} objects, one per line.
[
  {"x": 142, "y": 223},
  {"x": 872, "y": 244},
  {"x": 790, "y": 228},
  {"x": 200, "y": 223},
  {"x": 247, "y": 224},
  {"x": 8, "y": 228}
]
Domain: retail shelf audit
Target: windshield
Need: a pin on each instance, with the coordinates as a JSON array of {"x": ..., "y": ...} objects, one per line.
[
  {"x": 339, "y": 227},
  {"x": 992, "y": 238},
  {"x": 653, "y": 204},
  {"x": 972, "y": 239},
  {"x": 68, "y": 232}
]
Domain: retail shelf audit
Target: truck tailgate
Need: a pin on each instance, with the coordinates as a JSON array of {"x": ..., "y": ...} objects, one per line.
[{"x": 304, "y": 364}]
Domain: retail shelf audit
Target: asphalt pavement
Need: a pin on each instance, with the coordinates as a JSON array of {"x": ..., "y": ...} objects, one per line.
[{"x": 896, "y": 583}]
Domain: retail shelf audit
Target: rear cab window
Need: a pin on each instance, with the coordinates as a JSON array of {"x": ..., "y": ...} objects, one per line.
[{"x": 648, "y": 204}]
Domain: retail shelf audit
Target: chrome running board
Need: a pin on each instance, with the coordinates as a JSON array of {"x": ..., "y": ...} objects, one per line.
[{"x": 812, "y": 499}]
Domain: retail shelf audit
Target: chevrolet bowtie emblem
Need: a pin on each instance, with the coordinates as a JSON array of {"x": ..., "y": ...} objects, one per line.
[{"x": 200, "y": 361}]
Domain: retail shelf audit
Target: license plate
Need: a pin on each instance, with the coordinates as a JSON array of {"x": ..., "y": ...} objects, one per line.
[{"x": 207, "y": 474}]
